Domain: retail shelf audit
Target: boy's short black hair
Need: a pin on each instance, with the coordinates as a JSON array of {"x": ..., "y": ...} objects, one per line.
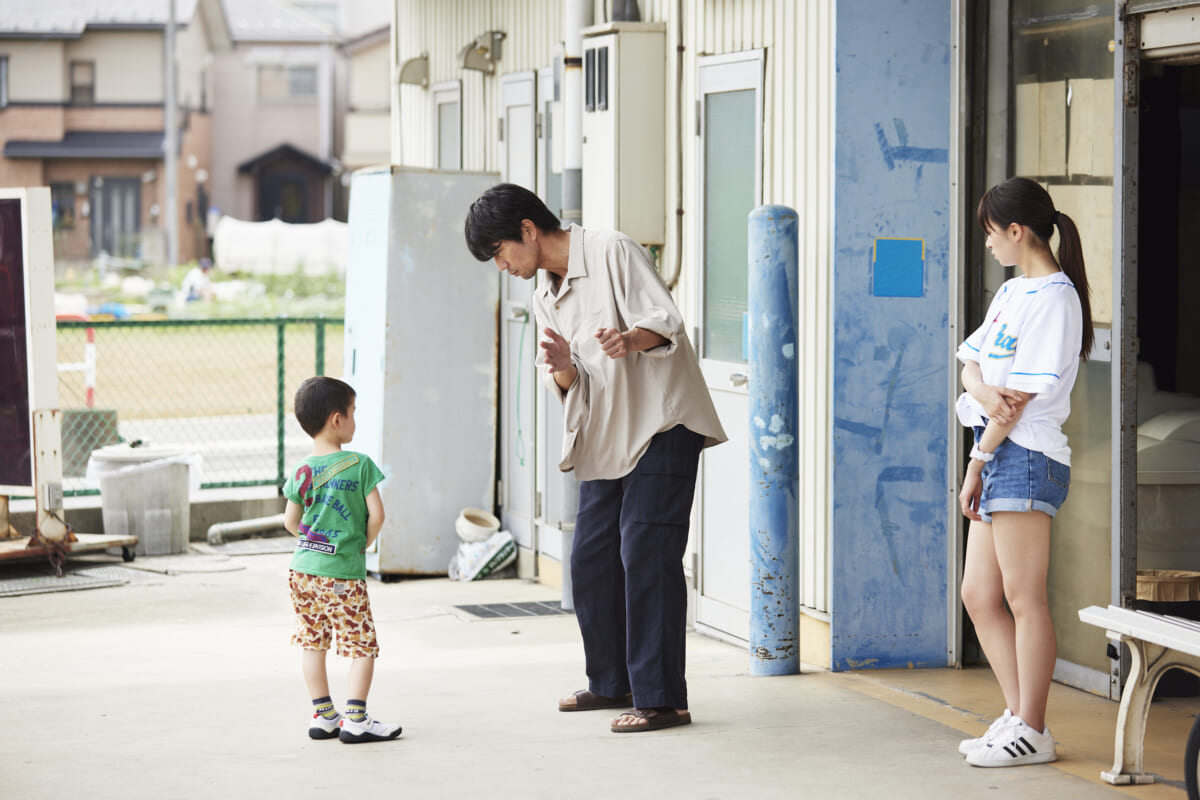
[
  {"x": 496, "y": 217},
  {"x": 318, "y": 399}
]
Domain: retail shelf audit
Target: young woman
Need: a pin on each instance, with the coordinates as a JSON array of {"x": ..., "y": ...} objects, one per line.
[{"x": 1019, "y": 368}]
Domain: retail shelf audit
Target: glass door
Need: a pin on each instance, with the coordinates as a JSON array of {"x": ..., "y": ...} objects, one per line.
[
  {"x": 1055, "y": 75},
  {"x": 730, "y": 182},
  {"x": 116, "y": 216}
]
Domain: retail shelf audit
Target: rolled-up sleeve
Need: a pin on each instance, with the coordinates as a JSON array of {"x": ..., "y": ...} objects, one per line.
[
  {"x": 970, "y": 349},
  {"x": 1049, "y": 344},
  {"x": 577, "y": 400},
  {"x": 643, "y": 301},
  {"x": 576, "y": 397}
]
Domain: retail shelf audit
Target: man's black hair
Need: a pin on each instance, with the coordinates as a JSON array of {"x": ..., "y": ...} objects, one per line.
[
  {"x": 496, "y": 217},
  {"x": 318, "y": 399}
]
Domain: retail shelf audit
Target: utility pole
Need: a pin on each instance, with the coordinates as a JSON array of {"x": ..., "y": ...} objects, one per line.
[{"x": 170, "y": 143}]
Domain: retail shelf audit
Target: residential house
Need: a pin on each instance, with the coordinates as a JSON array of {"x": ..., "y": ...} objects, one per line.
[
  {"x": 274, "y": 121},
  {"x": 368, "y": 117},
  {"x": 82, "y": 94}
]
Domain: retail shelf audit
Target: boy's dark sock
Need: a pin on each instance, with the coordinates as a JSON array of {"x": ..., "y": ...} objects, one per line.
[
  {"x": 356, "y": 710},
  {"x": 324, "y": 707}
]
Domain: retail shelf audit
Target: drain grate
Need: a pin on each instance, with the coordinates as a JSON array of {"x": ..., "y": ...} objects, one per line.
[
  {"x": 43, "y": 584},
  {"x": 512, "y": 610},
  {"x": 76, "y": 579}
]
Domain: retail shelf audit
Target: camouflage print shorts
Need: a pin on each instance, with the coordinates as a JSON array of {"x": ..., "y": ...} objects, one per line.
[{"x": 325, "y": 605}]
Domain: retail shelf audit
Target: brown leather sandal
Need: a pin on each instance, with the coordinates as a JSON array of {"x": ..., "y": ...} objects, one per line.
[
  {"x": 656, "y": 719},
  {"x": 585, "y": 700}
]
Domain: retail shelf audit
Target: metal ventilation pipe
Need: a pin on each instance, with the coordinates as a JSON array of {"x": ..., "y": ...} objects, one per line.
[
  {"x": 577, "y": 15},
  {"x": 626, "y": 11},
  {"x": 244, "y": 527}
]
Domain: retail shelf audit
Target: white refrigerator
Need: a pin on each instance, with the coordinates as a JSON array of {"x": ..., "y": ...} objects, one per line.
[{"x": 421, "y": 352}]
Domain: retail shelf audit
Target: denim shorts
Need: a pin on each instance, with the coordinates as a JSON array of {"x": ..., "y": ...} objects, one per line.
[{"x": 1021, "y": 480}]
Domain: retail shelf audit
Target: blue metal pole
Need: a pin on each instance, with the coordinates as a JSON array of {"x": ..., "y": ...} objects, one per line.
[{"x": 774, "y": 466}]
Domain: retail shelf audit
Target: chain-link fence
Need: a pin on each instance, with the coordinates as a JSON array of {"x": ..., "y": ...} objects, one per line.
[{"x": 221, "y": 389}]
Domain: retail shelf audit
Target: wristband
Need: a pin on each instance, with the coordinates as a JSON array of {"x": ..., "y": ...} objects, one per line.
[{"x": 979, "y": 455}]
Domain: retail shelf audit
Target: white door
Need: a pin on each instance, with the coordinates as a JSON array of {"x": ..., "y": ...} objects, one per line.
[
  {"x": 518, "y": 330},
  {"x": 557, "y": 492},
  {"x": 447, "y": 106},
  {"x": 730, "y": 186}
]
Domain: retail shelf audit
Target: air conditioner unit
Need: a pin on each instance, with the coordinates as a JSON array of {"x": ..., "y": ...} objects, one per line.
[{"x": 624, "y": 129}]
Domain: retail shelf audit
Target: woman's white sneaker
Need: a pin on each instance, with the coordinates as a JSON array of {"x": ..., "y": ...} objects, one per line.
[
  {"x": 967, "y": 745},
  {"x": 1015, "y": 745}
]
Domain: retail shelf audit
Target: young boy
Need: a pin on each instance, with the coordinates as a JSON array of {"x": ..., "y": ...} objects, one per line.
[{"x": 334, "y": 507}]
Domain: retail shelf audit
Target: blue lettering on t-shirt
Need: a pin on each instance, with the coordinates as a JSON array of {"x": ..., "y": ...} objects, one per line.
[
  {"x": 337, "y": 506},
  {"x": 1006, "y": 345}
]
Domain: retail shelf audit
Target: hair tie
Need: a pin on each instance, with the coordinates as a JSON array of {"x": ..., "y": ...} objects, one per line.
[{"x": 1054, "y": 220}]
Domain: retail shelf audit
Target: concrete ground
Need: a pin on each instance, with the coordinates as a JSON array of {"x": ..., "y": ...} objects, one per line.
[{"x": 185, "y": 686}]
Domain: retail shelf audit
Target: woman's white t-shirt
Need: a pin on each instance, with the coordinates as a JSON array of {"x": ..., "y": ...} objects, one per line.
[{"x": 1030, "y": 341}]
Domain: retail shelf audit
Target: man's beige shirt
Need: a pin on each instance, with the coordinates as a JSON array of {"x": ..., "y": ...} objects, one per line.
[{"x": 617, "y": 405}]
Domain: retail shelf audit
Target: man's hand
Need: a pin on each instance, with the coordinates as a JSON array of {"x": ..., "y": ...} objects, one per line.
[
  {"x": 558, "y": 351},
  {"x": 614, "y": 343}
]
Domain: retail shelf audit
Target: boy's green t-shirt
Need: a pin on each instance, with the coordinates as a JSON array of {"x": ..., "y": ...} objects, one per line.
[{"x": 332, "y": 492}]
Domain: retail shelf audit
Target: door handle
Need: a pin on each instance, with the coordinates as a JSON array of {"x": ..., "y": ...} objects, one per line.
[{"x": 738, "y": 379}]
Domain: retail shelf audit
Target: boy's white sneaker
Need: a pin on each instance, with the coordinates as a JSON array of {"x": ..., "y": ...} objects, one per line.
[
  {"x": 322, "y": 728},
  {"x": 1015, "y": 745},
  {"x": 367, "y": 730},
  {"x": 967, "y": 745}
]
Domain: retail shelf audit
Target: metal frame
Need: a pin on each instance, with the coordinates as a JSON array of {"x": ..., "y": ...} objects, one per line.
[
  {"x": 1148, "y": 6},
  {"x": 960, "y": 115},
  {"x": 1124, "y": 373},
  {"x": 38, "y": 276}
]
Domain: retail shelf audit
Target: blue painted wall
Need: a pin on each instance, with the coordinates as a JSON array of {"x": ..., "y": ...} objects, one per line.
[{"x": 891, "y": 337}]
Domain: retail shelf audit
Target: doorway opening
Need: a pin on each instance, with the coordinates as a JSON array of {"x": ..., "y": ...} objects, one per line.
[{"x": 1168, "y": 331}]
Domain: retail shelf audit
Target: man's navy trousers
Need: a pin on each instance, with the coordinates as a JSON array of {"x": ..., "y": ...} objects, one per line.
[{"x": 627, "y": 573}]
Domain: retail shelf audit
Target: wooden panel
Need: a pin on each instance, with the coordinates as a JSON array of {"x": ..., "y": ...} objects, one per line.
[{"x": 1052, "y": 124}]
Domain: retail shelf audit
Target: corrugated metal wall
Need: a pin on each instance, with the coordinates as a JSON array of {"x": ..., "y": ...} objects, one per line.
[
  {"x": 797, "y": 158},
  {"x": 797, "y": 172},
  {"x": 443, "y": 27}
]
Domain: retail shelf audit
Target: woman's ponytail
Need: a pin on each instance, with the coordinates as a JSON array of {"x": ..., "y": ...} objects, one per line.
[
  {"x": 1026, "y": 202},
  {"x": 1070, "y": 258}
]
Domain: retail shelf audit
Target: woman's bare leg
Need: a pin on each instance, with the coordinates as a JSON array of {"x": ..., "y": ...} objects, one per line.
[
  {"x": 983, "y": 596},
  {"x": 1022, "y": 548}
]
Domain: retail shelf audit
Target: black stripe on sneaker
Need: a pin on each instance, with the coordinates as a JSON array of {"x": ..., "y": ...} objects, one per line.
[
  {"x": 1032, "y": 749},
  {"x": 1009, "y": 750},
  {"x": 1020, "y": 750}
]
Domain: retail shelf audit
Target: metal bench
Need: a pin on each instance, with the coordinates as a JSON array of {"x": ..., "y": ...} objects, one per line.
[{"x": 1156, "y": 644}]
